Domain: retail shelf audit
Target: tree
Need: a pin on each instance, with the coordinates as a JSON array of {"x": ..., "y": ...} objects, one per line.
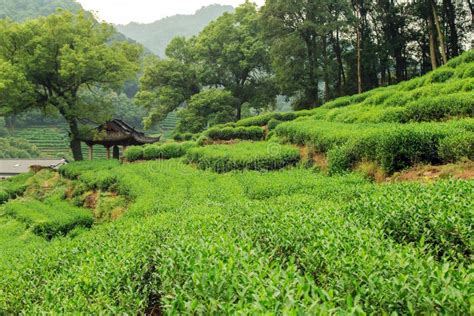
[
  {"x": 60, "y": 57},
  {"x": 166, "y": 84},
  {"x": 298, "y": 32},
  {"x": 228, "y": 55},
  {"x": 210, "y": 107},
  {"x": 231, "y": 54}
]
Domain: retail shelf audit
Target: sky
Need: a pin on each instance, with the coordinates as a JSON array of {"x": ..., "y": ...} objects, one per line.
[{"x": 147, "y": 11}]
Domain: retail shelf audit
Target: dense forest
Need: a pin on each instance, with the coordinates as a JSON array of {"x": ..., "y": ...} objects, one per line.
[{"x": 310, "y": 52}]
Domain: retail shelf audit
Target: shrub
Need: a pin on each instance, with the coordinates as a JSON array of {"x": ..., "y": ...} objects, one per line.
[
  {"x": 181, "y": 137},
  {"x": 393, "y": 146},
  {"x": 4, "y": 196},
  {"x": 244, "y": 156},
  {"x": 442, "y": 107},
  {"x": 50, "y": 219},
  {"x": 457, "y": 147},
  {"x": 441, "y": 75},
  {"x": 273, "y": 123},
  {"x": 228, "y": 133},
  {"x": 151, "y": 152},
  {"x": 134, "y": 153}
]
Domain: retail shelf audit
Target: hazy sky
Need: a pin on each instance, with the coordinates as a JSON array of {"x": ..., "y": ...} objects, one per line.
[{"x": 146, "y": 11}]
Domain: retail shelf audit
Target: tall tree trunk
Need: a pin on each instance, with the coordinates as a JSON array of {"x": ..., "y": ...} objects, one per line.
[
  {"x": 327, "y": 94},
  {"x": 432, "y": 35},
  {"x": 454, "y": 48},
  {"x": 312, "y": 91},
  {"x": 239, "y": 112},
  {"x": 471, "y": 7},
  {"x": 442, "y": 45},
  {"x": 341, "y": 76},
  {"x": 359, "y": 61},
  {"x": 75, "y": 142}
]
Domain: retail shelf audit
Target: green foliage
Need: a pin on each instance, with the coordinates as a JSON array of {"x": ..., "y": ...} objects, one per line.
[
  {"x": 229, "y": 58},
  {"x": 244, "y": 156},
  {"x": 207, "y": 108},
  {"x": 457, "y": 147},
  {"x": 180, "y": 137},
  {"x": 273, "y": 123},
  {"x": 230, "y": 133},
  {"x": 85, "y": 57},
  {"x": 134, "y": 153},
  {"x": 20, "y": 10},
  {"x": 393, "y": 146},
  {"x": 17, "y": 148},
  {"x": 434, "y": 216},
  {"x": 440, "y": 95},
  {"x": 153, "y": 152},
  {"x": 290, "y": 238},
  {"x": 264, "y": 119},
  {"x": 48, "y": 219}
]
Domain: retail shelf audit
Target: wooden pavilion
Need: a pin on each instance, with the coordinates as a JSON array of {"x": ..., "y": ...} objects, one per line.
[{"x": 116, "y": 133}]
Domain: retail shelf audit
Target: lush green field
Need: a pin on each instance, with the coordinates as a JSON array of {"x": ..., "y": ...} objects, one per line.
[{"x": 290, "y": 241}]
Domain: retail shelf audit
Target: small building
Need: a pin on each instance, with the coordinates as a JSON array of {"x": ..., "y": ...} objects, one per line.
[
  {"x": 13, "y": 167},
  {"x": 114, "y": 134}
]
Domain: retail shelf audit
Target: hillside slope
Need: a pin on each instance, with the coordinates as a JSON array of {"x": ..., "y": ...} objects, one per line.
[{"x": 157, "y": 35}]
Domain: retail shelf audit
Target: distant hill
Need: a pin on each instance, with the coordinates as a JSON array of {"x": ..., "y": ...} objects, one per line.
[
  {"x": 156, "y": 36},
  {"x": 20, "y": 10}
]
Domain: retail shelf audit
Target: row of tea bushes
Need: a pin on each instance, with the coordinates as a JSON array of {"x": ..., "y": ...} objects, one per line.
[
  {"x": 48, "y": 219},
  {"x": 437, "y": 216},
  {"x": 13, "y": 187},
  {"x": 190, "y": 234},
  {"x": 244, "y": 156},
  {"x": 230, "y": 133},
  {"x": 393, "y": 146},
  {"x": 154, "y": 152}
]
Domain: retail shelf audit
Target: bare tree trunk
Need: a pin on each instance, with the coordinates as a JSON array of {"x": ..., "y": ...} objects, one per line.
[
  {"x": 442, "y": 45},
  {"x": 75, "y": 142},
  {"x": 471, "y": 7},
  {"x": 454, "y": 47},
  {"x": 359, "y": 61},
  {"x": 434, "y": 60}
]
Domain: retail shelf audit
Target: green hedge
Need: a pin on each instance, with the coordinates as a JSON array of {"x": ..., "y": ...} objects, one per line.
[
  {"x": 393, "y": 146},
  {"x": 229, "y": 133},
  {"x": 49, "y": 219},
  {"x": 164, "y": 151},
  {"x": 244, "y": 156}
]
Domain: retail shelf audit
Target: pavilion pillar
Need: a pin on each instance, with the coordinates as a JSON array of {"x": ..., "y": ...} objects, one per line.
[
  {"x": 124, "y": 148},
  {"x": 116, "y": 152},
  {"x": 91, "y": 152},
  {"x": 108, "y": 152}
]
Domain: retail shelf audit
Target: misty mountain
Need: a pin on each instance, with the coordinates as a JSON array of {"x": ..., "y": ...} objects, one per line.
[{"x": 157, "y": 35}]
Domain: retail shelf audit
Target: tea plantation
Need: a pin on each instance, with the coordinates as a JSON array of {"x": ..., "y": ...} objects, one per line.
[{"x": 269, "y": 215}]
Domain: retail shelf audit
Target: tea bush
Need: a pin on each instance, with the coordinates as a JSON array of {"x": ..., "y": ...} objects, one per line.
[
  {"x": 229, "y": 133},
  {"x": 134, "y": 153},
  {"x": 284, "y": 242},
  {"x": 48, "y": 220},
  {"x": 457, "y": 147},
  {"x": 393, "y": 146},
  {"x": 244, "y": 156}
]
